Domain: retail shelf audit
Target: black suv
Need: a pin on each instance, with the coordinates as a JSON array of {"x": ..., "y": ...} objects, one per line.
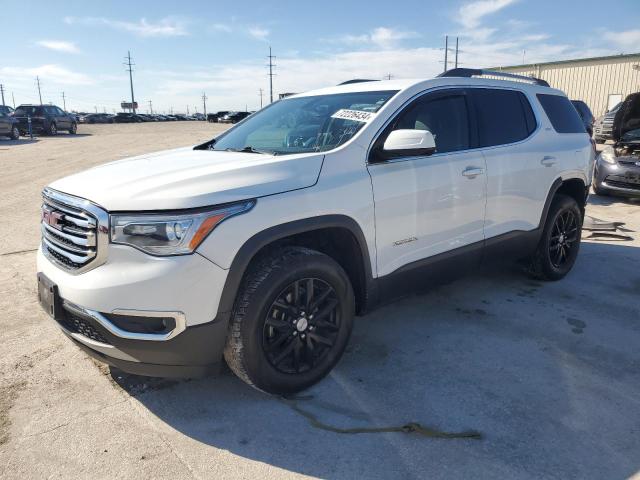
[
  {"x": 585, "y": 115},
  {"x": 8, "y": 124},
  {"x": 47, "y": 119},
  {"x": 124, "y": 117}
]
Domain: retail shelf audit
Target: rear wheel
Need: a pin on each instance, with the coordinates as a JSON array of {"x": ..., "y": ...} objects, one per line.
[
  {"x": 558, "y": 248},
  {"x": 15, "y": 133},
  {"x": 74, "y": 128},
  {"x": 53, "y": 130},
  {"x": 291, "y": 322}
]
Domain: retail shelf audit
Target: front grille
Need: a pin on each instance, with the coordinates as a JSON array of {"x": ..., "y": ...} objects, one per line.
[
  {"x": 76, "y": 324},
  {"x": 69, "y": 233}
]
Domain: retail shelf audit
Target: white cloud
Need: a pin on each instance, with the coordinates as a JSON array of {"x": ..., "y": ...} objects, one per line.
[
  {"x": 258, "y": 33},
  {"x": 382, "y": 37},
  {"x": 59, "y": 46},
  {"x": 166, "y": 27},
  {"x": 471, "y": 14},
  {"x": 51, "y": 73},
  {"x": 626, "y": 39},
  {"x": 220, "y": 27}
]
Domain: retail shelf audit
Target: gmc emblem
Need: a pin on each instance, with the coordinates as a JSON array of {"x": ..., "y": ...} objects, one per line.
[{"x": 52, "y": 218}]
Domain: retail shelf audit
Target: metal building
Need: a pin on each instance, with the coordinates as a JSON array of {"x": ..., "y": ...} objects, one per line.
[{"x": 601, "y": 82}]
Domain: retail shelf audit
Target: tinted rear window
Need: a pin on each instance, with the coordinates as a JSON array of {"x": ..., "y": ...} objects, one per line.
[
  {"x": 28, "y": 111},
  {"x": 562, "y": 114},
  {"x": 504, "y": 116}
]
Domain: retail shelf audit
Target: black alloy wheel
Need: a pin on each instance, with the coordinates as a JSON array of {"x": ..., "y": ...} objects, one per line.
[
  {"x": 301, "y": 326},
  {"x": 564, "y": 235}
]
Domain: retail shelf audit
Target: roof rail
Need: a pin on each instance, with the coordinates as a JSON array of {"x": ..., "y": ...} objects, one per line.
[
  {"x": 478, "y": 72},
  {"x": 357, "y": 80}
]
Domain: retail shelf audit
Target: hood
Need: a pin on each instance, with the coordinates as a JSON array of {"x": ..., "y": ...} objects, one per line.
[
  {"x": 187, "y": 178},
  {"x": 627, "y": 117}
]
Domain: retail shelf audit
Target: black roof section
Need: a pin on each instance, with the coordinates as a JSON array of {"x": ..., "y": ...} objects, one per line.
[
  {"x": 357, "y": 80},
  {"x": 478, "y": 72}
]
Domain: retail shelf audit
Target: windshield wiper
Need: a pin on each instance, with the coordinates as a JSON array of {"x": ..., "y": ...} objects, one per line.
[{"x": 248, "y": 149}]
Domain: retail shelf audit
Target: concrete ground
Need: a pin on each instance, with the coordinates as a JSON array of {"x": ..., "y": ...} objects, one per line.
[{"x": 549, "y": 373}]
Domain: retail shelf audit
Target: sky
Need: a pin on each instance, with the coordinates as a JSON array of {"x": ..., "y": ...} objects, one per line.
[{"x": 182, "y": 49}]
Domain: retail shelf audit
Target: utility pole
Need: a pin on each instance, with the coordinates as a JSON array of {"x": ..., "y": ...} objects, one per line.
[
  {"x": 388, "y": 76},
  {"x": 13, "y": 99},
  {"x": 39, "y": 92},
  {"x": 271, "y": 65},
  {"x": 96, "y": 108},
  {"x": 130, "y": 70},
  {"x": 260, "y": 94},
  {"x": 446, "y": 51},
  {"x": 64, "y": 102},
  {"x": 150, "y": 107},
  {"x": 187, "y": 110},
  {"x": 2, "y": 91},
  {"x": 204, "y": 104},
  {"x": 456, "y": 52}
]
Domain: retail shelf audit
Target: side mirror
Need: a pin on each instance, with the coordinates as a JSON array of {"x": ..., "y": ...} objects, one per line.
[{"x": 404, "y": 143}]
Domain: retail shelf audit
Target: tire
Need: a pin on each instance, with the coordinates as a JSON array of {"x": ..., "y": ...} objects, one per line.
[
  {"x": 286, "y": 350},
  {"x": 560, "y": 235},
  {"x": 73, "y": 129},
  {"x": 53, "y": 130},
  {"x": 15, "y": 133}
]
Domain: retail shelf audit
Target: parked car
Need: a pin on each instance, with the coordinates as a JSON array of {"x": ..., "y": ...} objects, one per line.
[
  {"x": 125, "y": 117},
  {"x": 617, "y": 168},
  {"x": 262, "y": 244},
  {"x": 97, "y": 118},
  {"x": 585, "y": 114},
  {"x": 215, "y": 117},
  {"x": 8, "y": 124},
  {"x": 603, "y": 125},
  {"x": 234, "y": 117},
  {"x": 47, "y": 119}
]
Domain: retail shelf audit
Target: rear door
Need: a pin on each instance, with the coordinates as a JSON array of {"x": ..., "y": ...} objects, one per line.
[
  {"x": 521, "y": 166},
  {"x": 427, "y": 205}
]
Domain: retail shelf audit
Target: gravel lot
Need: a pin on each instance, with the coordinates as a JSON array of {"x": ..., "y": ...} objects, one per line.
[{"x": 549, "y": 373}]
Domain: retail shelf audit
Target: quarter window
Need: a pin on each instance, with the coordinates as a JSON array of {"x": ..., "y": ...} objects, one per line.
[
  {"x": 563, "y": 116},
  {"x": 446, "y": 117},
  {"x": 504, "y": 116}
]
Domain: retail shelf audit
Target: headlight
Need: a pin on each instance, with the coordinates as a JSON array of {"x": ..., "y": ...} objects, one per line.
[
  {"x": 608, "y": 155},
  {"x": 170, "y": 234}
]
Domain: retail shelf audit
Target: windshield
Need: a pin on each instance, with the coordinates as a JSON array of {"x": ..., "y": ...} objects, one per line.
[{"x": 304, "y": 124}]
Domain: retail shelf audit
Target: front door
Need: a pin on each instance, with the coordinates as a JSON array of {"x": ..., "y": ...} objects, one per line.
[{"x": 427, "y": 205}]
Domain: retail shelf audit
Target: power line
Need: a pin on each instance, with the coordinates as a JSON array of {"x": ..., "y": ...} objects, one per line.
[
  {"x": 271, "y": 74},
  {"x": 39, "y": 92},
  {"x": 130, "y": 70}
]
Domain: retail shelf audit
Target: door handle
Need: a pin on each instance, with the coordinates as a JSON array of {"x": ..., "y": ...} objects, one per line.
[
  {"x": 548, "y": 161},
  {"x": 472, "y": 172}
]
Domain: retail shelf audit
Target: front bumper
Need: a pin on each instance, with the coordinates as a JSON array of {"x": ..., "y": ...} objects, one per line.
[
  {"x": 135, "y": 285},
  {"x": 618, "y": 178}
]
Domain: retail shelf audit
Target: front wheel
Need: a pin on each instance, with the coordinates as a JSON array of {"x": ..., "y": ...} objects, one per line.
[
  {"x": 53, "y": 130},
  {"x": 558, "y": 248},
  {"x": 291, "y": 322}
]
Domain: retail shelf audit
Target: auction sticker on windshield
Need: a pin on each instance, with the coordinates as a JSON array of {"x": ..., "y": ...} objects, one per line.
[{"x": 355, "y": 115}]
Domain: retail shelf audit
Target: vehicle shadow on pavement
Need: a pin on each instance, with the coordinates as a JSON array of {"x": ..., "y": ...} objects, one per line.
[
  {"x": 547, "y": 372},
  {"x": 21, "y": 141}
]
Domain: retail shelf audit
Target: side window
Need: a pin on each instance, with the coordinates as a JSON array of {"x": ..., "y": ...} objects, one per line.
[
  {"x": 445, "y": 116},
  {"x": 504, "y": 116},
  {"x": 50, "y": 110},
  {"x": 563, "y": 116}
]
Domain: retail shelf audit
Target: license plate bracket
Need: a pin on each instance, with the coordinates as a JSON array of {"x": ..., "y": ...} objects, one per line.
[{"x": 48, "y": 296}]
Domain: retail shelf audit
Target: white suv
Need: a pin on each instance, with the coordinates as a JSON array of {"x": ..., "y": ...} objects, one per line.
[{"x": 262, "y": 244}]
